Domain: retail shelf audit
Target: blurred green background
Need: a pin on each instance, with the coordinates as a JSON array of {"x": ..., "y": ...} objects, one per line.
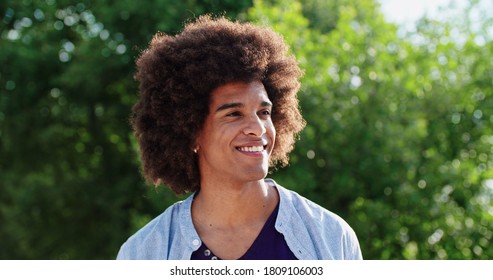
[{"x": 399, "y": 139}]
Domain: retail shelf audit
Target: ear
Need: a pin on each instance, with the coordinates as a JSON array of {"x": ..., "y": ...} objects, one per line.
[{"x": 196, "y": 146}]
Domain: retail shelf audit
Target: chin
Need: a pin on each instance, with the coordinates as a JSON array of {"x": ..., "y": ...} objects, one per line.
[{"x": 255, "y": 175}]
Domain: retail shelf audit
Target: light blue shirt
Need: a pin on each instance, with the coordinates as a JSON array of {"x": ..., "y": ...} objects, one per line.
[{"x": 311, "y": 232}]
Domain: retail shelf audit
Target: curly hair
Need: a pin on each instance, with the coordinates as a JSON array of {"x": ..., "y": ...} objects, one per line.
[{"x": 176, "y": 75}]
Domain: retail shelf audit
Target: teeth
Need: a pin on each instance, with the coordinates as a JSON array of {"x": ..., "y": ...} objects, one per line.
[{"x": 251, "y": 149}]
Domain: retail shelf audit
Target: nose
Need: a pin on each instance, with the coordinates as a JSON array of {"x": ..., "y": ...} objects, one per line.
[{"x": 254, "y": 125}]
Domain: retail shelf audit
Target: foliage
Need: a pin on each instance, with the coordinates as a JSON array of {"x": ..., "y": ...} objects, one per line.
[
  {"x": 70, "y": 183},
  {"x": 399, "y": 136}
]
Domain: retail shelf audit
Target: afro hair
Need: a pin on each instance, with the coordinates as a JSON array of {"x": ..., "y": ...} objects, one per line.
[{"x": 176, "y": 75}]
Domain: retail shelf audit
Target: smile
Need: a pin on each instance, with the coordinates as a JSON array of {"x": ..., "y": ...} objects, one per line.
[{"x": 251, "y": 149}]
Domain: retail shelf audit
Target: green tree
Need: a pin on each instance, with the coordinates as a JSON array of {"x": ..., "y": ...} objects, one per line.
[
  {"x": 399, "y": 137},
  {"x": 69, "y": 172},
  {"x": 399, "y": 132}
]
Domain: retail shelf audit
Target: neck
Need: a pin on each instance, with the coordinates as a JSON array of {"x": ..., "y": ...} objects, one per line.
[{"x": 233, "y": 204}]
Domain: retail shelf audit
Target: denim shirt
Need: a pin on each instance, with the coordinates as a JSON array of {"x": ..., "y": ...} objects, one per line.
[{"x": 311, "y": 232}]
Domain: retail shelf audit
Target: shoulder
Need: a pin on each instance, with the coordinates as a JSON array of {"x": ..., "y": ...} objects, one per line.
[
  {"x": 311, "y": 212},
  {"x": 328, "y": 235},
  {"x": 151, "y": 241}
]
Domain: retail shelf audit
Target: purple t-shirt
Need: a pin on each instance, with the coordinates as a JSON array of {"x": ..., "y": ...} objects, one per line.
[{"x": 269, "y": 245}]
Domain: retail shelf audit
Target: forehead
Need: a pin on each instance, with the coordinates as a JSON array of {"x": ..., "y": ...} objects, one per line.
[{"x": 239, "y": 92}]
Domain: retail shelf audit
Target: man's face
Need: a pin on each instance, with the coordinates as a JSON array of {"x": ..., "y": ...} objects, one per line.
[{"x": 238, "y": 135}]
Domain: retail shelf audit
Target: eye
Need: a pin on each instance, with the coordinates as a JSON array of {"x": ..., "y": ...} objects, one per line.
[
  {"x": 234, "y": 114},
  {"x": 265, "y": 113}
]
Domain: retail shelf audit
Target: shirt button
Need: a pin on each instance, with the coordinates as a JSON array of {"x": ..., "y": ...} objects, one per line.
[
  {"x": 195, "y": 242},
  {"x": 207, "y": 252}
]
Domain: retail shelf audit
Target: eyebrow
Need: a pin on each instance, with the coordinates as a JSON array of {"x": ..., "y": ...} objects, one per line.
[{"x": 240, "y": 105}]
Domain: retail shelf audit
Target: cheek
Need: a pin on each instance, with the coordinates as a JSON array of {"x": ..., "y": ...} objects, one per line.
[
  {"x": 271, "y": 130},
  {"x": 221, "y": 136}
]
